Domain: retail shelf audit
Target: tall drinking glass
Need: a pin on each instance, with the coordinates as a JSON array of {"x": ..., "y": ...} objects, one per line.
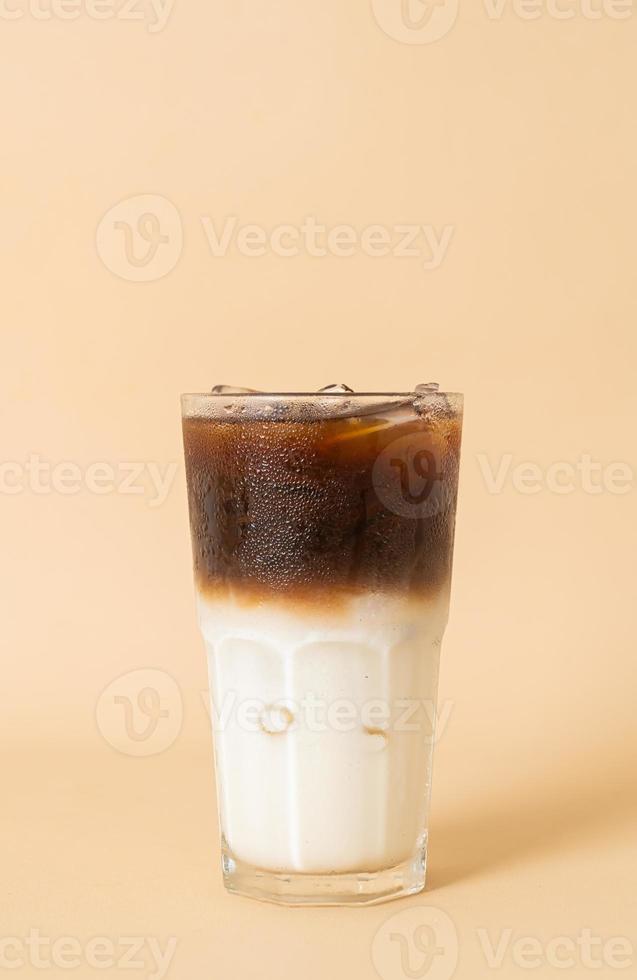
[{"x": 322, "y": 530}]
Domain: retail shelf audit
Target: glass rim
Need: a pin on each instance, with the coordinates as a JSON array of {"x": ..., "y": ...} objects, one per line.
[{"x": 255, "y": 395}]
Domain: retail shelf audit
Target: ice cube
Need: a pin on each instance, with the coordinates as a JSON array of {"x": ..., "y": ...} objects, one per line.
[
  {"x": 336, "y": 390},
  {"x": 233, "y": 390}
]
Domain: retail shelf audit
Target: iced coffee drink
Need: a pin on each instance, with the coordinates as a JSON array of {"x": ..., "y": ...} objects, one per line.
[{"x": 322, "y": 529}]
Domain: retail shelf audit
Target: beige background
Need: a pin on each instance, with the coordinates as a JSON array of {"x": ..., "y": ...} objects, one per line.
[{"x": 519, "y": 135}]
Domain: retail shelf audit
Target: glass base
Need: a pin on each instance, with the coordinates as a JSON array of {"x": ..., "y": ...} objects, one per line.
[{"x": 354, "y": 888}]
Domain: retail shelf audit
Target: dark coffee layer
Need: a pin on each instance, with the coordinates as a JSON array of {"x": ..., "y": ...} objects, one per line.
[{"x": 310, "y": 508}]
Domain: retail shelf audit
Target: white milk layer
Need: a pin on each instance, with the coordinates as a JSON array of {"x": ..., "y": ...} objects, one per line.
[{"x": 323, "y": 729}]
